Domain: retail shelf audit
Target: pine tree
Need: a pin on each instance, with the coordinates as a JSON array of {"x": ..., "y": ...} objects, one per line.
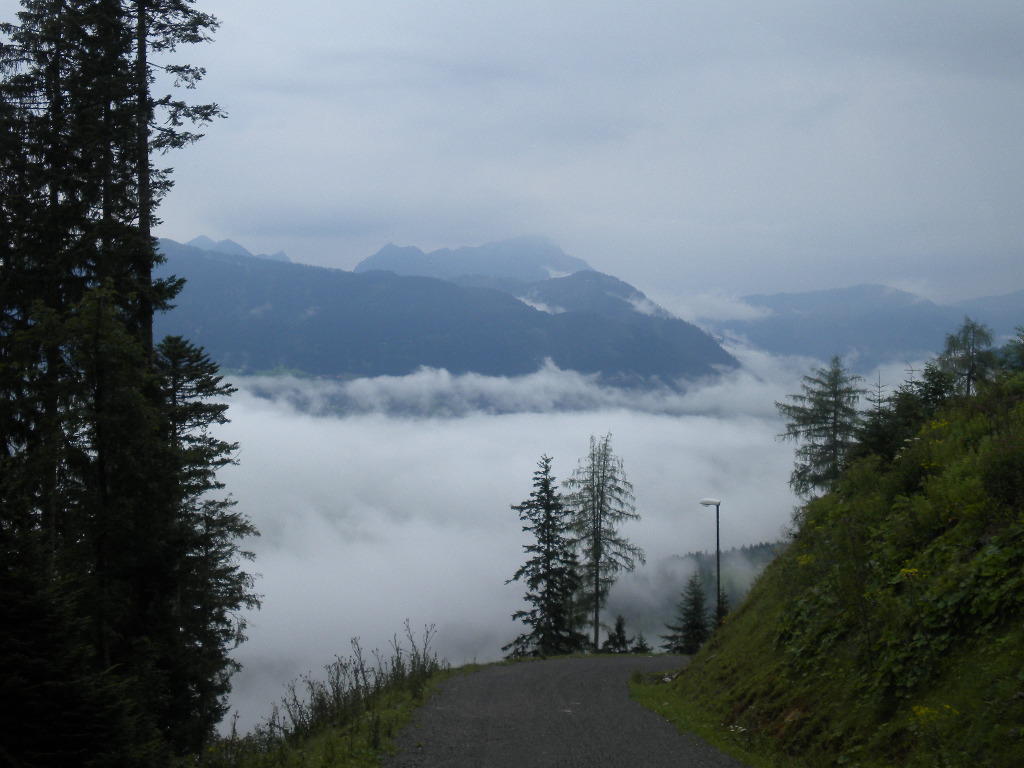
[
  {"x": 550, "y": 573},
  {"x": 601, "y": 499},
  {"x": 824, "y": 421},
  {"x": 692, "y": 625},
  {"x": 886, "y": 429},
  {"x": 617, "y": 641},
  {"x": 640, "y": 645},
  {"x": 63, "y": 710}
]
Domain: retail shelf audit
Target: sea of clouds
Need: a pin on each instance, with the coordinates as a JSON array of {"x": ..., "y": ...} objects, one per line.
[{"x": 386, "y": 500}]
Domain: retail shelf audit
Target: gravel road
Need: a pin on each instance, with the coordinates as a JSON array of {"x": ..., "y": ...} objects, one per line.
[{"x": 564, "y": 713}]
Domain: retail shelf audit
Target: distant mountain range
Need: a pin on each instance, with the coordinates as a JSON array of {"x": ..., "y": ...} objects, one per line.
[
  {"x": 231, "y": 248},
  {"x": 867, "y": 324},
  {"x": 258, "y": 315},
  {"x": 505, "y": 308}
]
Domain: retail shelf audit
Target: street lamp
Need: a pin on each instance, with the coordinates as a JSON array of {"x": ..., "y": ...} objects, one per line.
[{"x": 716, "y": 503}]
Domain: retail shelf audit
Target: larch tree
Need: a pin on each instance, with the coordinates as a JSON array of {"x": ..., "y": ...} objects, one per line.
[
  {"x": 601, "y": 499},
  {"x": 823, "y": 420},
  {"x": 968, "y": 356},
  {"x": 550, "y": 573}
]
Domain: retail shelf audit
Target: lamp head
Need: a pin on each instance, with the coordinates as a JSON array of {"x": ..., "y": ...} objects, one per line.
[{"x": 710, "y": 502}]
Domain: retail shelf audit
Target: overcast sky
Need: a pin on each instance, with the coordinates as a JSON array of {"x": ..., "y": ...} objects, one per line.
[{"x": 686, "y": 147}]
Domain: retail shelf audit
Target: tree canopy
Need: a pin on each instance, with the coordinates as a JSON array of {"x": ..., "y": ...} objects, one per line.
[
  {"x": 823, "y": 420},
  {"x": 120, "y": 557},
  {"x": 601, "y": 499},
  {"x": 551, "y": 572},
  {"x": 692, "y": 621}
]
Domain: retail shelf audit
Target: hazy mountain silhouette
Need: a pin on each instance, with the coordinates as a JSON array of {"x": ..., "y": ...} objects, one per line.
[
  {"x": 257, "y": 315},
  {"x": 232, "y": 248},
  {"x": 524, "y": 259},
  {"x": 866, "y": 324}
]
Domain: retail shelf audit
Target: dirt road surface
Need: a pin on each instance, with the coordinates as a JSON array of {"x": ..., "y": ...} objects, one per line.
[{"x": 558, "y": 713}]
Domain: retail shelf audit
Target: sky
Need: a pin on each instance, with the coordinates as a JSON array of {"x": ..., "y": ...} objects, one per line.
[{"x": 686, "y": 147}]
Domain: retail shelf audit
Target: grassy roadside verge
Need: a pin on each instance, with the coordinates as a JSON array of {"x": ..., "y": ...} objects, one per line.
[
  {"x": 657, "y": 696},
  {"x": 732, "y": 672},
  {"x": 348, "y": 718}
]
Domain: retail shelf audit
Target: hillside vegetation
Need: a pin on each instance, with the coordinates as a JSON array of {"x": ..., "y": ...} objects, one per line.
[{"x": 890, "y": 632}]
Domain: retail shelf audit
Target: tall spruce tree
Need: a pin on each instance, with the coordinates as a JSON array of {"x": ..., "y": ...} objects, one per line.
[
  {"x": 692, "y": 622},
  {"x": 824, "y": 421},
  {"x": 550, "y": 573},
  {"x": 62, "y": 710},
  {"x": 618, "y": 641},
  {"x": 106, "y": 462},
  {"x": 211, "y": 589},
  {"x": 158, "y": 28},
  {"x": 601, "y": 499}
]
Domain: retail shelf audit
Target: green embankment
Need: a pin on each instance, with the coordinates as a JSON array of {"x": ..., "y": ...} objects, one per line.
[{"x": 891, "y": 630}]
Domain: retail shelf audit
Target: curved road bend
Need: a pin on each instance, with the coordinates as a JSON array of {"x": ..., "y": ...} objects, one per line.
[{"x": 557, "y": 713}]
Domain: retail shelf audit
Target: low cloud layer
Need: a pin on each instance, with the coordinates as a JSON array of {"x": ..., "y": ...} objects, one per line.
[
  {"x": 433, "y": 393},
  {"x": 371, "y": 518}
]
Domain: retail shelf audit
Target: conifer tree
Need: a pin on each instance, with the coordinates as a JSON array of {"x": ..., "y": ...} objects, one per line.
[
  {"x": 550, "y": 573},
  {"x": 62, "y": 709},
  {"x": 640, "y": 644},
  {"x": 968, "y": 356},
  {"x": 617, "y": 640},
  {"x": 1013, "y": 353},
  {"x": 211, "y": 588},
  {"x": 886, "y": 429},
  {"x": 601, "y": 499},
  {"x": 160, "y": 27},
  {"x": 106, "y": 462},
  {"x": 692, "y": 623},
  {"x": 824, "y": 421}
]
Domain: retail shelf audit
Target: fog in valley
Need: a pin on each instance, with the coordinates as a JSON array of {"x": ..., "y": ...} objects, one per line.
[{"x": 380, "y": 512}]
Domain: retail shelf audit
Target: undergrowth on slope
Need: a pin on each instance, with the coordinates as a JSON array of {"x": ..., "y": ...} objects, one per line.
[
  {"x": 347, "y": 718},
  {"x": 891, "y": 631}
]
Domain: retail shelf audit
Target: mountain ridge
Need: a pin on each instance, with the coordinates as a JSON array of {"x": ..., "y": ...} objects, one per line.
[
  {"x": 256, "y": 315},
  {"x": 525, "y": 259},
  {"x": 230, "y": 247},
  {"x": 868, "y": 324}
]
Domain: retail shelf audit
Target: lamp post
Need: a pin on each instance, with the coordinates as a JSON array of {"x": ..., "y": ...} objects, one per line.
[{"x": 716, "y": 503}]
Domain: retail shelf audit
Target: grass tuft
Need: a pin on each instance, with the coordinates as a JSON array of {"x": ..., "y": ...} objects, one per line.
[{"x": 348, "y": 718}]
